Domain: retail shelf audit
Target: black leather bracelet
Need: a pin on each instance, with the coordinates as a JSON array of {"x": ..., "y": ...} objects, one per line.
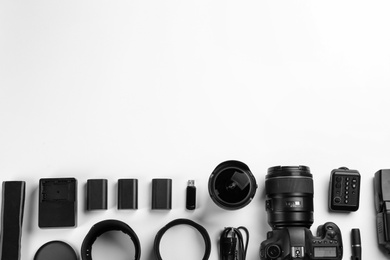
[
  {"x": 104, "y": 226},
  {"x": 181, "y": 221}
]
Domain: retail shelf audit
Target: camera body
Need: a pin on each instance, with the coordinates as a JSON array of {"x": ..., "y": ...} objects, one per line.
[
  {"x": 299, "y": 243},
  {"x": 289, "y": 205}
]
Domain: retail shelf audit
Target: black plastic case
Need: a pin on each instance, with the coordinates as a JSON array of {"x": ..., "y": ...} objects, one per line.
[{"x": 57, "y": 202}]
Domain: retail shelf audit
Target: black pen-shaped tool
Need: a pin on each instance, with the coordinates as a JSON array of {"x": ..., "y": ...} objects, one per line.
[{"x": 356, "y": 244}]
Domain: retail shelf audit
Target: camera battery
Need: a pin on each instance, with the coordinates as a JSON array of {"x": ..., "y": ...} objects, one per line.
[
  {"x": 127, "y": 194},
  {"x": 96, "y": 194},
  {"x": 162, "y": 194}
]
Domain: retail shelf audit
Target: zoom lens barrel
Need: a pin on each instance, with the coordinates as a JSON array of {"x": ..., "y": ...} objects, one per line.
[{"x": 289, "y": 196}]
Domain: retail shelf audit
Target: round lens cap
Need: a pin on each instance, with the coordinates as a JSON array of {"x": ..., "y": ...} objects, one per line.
[{"x": 55, "y": 250}]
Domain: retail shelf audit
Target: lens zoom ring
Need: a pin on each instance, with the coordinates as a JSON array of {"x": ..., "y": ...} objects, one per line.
[{"x": 289, "y": 185}]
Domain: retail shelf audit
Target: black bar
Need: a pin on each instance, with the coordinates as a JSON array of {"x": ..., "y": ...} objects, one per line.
[{"x": 12, "y": 210}]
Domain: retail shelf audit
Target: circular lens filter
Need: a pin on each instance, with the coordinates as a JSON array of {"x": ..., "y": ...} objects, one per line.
[{"x": 55, "y": 250}]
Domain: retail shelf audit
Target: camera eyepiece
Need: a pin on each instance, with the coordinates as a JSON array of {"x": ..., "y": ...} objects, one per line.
[
  {"x": 289, "y": 196},
  {"x": 232, "y": 185},
  {"x": 273, "y": 251}
]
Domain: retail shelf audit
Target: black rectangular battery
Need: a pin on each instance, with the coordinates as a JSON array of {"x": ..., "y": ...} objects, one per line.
[
  {"x": 128, "y": 194},
  {"x": 161, "y": 194},
  {"x": 97, "y": 194}
]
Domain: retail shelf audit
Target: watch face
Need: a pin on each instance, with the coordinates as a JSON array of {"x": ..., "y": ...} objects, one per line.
[{"x": 56, "y": 250}]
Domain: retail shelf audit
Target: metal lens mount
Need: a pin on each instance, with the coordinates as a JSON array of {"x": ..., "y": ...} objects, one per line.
[{"x": 232, "y": 185}]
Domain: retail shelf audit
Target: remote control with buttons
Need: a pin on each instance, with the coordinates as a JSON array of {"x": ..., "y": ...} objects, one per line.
[{"x": 344, "y": 190}]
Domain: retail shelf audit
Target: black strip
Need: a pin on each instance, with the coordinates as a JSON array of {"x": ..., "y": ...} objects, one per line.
[{"x": 12, "y": 210}]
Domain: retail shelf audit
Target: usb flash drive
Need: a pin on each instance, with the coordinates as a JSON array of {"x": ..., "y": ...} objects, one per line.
[{"x": 191, "y": 195}]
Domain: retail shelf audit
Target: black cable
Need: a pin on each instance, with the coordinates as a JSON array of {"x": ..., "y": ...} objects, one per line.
[
  {"x": 232, "y": 244},
  {"x": 182, "y": 221}
]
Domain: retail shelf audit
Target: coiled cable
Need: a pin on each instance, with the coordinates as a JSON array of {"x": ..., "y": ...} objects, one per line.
[{"x": 232, "y": 243}]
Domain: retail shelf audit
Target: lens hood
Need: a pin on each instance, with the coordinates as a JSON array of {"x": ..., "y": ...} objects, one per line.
[{"x": 232, "y": 185}]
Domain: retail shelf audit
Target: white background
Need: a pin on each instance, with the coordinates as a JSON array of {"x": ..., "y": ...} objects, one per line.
[{"x": 154, "y": 89}]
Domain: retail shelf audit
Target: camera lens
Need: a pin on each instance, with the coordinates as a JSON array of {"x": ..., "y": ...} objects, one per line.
[
  {"x": 232, "y": 185},
  {"x": 273, "y": 251},
  {"x": 289, "y": 196}
]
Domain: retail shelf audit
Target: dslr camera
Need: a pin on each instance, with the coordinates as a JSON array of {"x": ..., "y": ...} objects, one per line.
[{"x": 289, "y": 206}]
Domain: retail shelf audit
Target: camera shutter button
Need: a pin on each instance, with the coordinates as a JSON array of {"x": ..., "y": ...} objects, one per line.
[{"x": 331, "y": 233}]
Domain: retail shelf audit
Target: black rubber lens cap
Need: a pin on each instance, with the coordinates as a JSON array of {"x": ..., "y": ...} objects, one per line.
[{"x": 57, "y": 250}]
